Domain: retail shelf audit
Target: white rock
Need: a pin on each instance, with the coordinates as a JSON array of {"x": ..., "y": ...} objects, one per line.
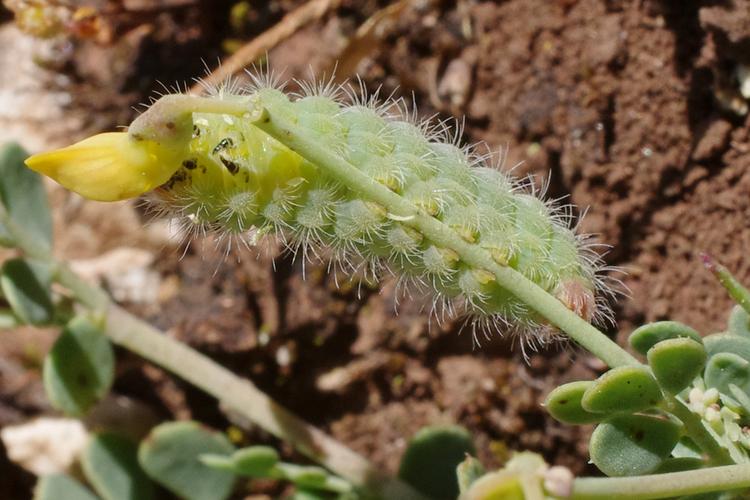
[{"x": 45, "y": 445}]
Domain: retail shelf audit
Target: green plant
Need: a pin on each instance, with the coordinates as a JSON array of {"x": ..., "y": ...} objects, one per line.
[{"x": 378, "y": 190}]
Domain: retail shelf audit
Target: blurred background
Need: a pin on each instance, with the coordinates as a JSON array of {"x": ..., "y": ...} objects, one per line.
[{"x": 637, "y": 111}]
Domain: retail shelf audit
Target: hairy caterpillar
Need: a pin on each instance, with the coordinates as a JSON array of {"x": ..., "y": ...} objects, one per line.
[{"x": 330, "y": 169}]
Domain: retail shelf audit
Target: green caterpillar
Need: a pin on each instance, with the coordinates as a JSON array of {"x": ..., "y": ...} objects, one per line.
[{"x": 376, "y": 176}]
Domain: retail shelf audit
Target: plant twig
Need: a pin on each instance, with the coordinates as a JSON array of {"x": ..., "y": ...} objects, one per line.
[
  {"x": 247, "y": 400},
  {"x": 673, "y": 484},
  {"x": 289, "y": 24}
]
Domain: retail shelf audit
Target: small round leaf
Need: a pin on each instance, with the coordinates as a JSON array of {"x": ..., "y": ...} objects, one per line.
[
  {"x": 726, "y": 368},
  {"x": 170, "y": 455},
  {"x": 429, "y": 462},
  {"x": 80, "y": 367},
  {"x": 26, "y": 286},
  {"x": 629, "y": 445},
  {"x": 676, "y": 362},
  {"x": 308, "y": 476},
  {"x": 739, "y": 322},
  {"x": 564, "y": 404},
  {"x": 111, "y": 465},
  {"x": 727, "y": 342},
  {"x": 646, "y": 336},
  {"x": 622, "y": 389},
  {"x": 220, "y": 462}
]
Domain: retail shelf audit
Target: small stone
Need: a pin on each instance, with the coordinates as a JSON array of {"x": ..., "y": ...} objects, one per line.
[
  {"x": 126, "y": 272},
  {"x": 456, "y": 82},
  {"x": 45, "y": 445}
]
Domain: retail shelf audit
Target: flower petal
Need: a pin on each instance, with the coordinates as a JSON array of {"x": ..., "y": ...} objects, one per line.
[{"x": 107, "y": 167}]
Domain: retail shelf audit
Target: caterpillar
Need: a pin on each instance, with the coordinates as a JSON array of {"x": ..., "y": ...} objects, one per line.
[{"x": 332, "y": 171}]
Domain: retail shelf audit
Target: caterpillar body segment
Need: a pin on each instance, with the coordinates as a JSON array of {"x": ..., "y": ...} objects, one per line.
[{"x": 380, "y": 180}]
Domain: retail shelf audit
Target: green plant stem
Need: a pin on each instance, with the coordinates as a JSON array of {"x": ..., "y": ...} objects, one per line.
[
  {"x": 673, "y": 484},
  {"x": 236, "y": 393},
  {"x": 241, "y": 396},
  {"x": 582, "y": 332}
]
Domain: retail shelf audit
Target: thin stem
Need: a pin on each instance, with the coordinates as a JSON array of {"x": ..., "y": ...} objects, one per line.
[
  {"x": 169, "y": 118},
  {"x": 236, "y": 393},
  {"x": 673, "y": 484},
  {"x": 94, "y": 298},
  {"x": 241, "y": 396},
  {"x": 549, "y": 307}
]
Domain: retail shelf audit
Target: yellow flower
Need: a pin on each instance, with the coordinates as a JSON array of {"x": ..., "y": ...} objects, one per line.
[{"x": 108, "y": 167}]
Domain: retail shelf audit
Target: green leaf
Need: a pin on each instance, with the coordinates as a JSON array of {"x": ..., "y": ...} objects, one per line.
[
  {"x": 622, "y": 389},
  {"x": 429, "y": 462},
  {"x": 676, "y": 362},
  {"x": 263, "y": 462},
  {"x": 22, "y": 193},
  {"x": 255, "y": 461},
  {"x": 647, "y": 336},
  {"x": 170, "y": 455},
  {"x": 111, "y": 465},
  {"x": 564, "y": 404},
  {"x": 61, "y": 487},
  {"x": 312, "y": 477},
  {"x": 727, "y": 342},
  {"x": 308, "y": 476},
  {"x": 80, "y": 368},
  {"x": 736, "y": 290},
  {"x": 26, "y": 286},
  {"x": 220, "y": 462},
  {"x": 726, "y": 368},
  {"x": 629, "y": 445},
  {"x": 739, "y": 322}
]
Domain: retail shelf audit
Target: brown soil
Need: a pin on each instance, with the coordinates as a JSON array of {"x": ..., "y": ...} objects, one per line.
[{"x": 630, "y": 106}]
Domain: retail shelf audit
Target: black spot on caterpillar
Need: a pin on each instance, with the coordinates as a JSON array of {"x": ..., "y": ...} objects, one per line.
[{"x": 231, "y": 166}]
